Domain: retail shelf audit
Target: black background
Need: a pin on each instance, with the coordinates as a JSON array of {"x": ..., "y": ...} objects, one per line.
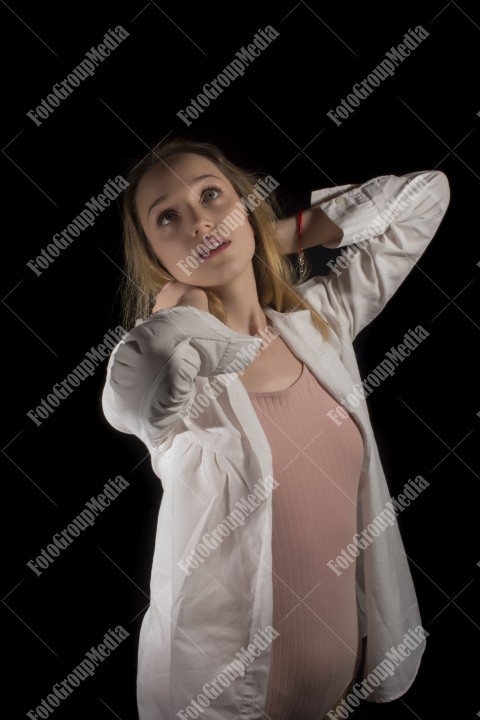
[{"x": 273, "y": 120}]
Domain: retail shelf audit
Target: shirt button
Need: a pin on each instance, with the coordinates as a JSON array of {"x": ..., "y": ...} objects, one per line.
[{"x": 340, "y": 200}]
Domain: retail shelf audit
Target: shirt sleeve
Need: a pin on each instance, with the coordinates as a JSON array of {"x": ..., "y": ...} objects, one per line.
[
  {"x": 150, "y": 379},
  {"x": 387, "y": 224}
]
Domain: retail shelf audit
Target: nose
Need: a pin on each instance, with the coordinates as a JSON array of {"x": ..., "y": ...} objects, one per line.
[{"x": 201, "y": 222}]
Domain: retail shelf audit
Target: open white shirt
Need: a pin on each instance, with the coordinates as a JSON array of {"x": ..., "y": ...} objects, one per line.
[{"x": 199, "y": 623}]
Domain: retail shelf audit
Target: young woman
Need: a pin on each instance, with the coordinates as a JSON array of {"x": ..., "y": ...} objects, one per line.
[{"x": 242, "y": 382}]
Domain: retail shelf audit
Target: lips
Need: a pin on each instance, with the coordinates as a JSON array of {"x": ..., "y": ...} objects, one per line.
[{"x": 204, "y": 251}]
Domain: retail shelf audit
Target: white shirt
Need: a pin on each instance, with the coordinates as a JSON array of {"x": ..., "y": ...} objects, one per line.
[{"x": 198, "y": 622}]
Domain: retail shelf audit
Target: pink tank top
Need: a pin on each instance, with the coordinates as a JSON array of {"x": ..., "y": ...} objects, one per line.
[{"x": 317, "y": 464}]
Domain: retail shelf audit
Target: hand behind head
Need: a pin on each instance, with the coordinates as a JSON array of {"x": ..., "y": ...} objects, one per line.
[{"x": 176, "y": 293}]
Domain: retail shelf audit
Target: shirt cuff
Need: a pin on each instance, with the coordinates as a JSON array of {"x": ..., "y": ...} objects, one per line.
[{"x": 357, "y": 209}]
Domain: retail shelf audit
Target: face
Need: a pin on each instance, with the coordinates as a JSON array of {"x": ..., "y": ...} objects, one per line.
[{"x": 180, "y": 208}]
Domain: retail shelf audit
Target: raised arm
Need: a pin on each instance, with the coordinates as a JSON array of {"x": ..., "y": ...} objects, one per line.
[
  {"x": 317, "y": 229},
  {"x": 387, "y": 222}
]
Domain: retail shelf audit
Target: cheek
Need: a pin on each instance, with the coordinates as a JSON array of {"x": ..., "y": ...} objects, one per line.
[
  {"x": 163, "y": 253},
  {"x": 249, "y": 237},
  {"x": 177, "y": 262},
  {"x": 242, "y": 227},
  {"x": 169, "y": 257}
]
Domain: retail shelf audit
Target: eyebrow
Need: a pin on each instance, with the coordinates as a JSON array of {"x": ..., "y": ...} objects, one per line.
[{"x": 164, "y": 197}]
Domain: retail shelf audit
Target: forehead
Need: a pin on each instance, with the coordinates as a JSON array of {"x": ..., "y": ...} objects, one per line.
[{"x": 176, "y": 173}]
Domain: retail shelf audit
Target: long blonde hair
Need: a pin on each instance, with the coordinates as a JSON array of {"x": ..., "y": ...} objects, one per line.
[{"x": 145, "y": 275}]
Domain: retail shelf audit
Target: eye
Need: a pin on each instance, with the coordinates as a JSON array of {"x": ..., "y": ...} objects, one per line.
[
  {"x": 163, "y": 218},
  {"x": 210, "y": 191}
]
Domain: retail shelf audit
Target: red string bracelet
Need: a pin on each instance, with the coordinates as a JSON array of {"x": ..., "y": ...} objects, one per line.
[
  {"x": 299, "y": 220},
  {"x": 301, "y": 256}
]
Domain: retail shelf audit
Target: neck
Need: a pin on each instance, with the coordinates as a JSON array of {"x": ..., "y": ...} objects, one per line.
[{"x": 244, "y": 314}]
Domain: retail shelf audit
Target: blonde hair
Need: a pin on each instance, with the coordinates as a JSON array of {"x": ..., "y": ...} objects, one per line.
[{"x": 145, "y": 275}]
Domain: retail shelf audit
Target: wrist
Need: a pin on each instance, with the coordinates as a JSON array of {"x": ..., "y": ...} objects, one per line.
[
  {"x": 286, "y": 231},
  {"x": 319, "y": 229}
]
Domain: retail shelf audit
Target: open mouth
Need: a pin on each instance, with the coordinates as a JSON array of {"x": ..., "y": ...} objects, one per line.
[{"x": 217, "y": 244}]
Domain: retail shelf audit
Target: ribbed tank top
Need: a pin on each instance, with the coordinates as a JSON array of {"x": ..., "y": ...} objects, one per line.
[{"x": 317, "y": 464}]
